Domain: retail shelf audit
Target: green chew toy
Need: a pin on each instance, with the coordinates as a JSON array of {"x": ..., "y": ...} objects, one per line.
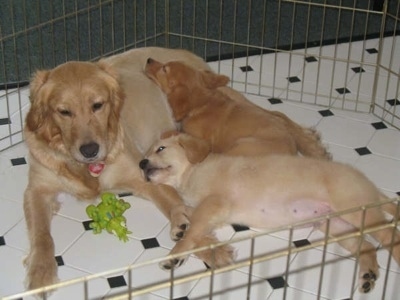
[{"x": 108, "y": 215}]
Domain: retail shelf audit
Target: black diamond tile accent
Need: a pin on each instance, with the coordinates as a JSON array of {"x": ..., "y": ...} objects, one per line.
[
  {"x": 275, "y": 100},
  {"x": 311, "y": 59},
  {"x": 277, "y": 282},
  {"x": 18, "y": 161},
  {"x": 371, "y": 50},
  {"x": 238, "y": 227},
  {"x": 124, "y": 195},
  {"x": 181, "y": 298},
  {"x": 59, "y": 260},
  {"x": 358, "y": 70},
  {"x": 379, "y": 125},
  {"x": 343, "y": 90},
  {"x": 246, "y": 69},
  {"x": 301, "y": 243},
  {"x": 363, "y": 151},
  {"x": 393, "y": 102},
  {"x": 116, "y": 281},
  {"x": 325, "y": 113},
  {"x": 293, "y": 79},
  {"x": 398, "y": 193},
  {"x": 5, "y": 121},
  {"x": 150, "y": 243},
  {"x": 86, "y": 224},
  {"x": 2, "y": 241}
]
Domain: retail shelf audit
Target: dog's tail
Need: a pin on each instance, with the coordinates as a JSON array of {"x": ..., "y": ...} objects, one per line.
[{"x": 308, "y": 140}]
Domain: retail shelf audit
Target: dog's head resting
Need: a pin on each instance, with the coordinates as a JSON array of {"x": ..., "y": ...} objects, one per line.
[
  {"x": 185, "y": 87},
  {"x": 75, "y": 110},
  {"x": 172, "y": 155}
]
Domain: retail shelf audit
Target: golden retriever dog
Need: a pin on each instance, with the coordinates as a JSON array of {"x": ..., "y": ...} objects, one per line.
[
  {"x": 279, "y": 190},
  {"x": 232, "y": 127},
  {"x": 87, "y": 129}
]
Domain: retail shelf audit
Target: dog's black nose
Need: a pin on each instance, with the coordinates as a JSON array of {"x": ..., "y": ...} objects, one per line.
[
  {"x": 89, "y": 150},
  {"x": 143, "y": 163},
  {"x": 150, "y": 60}
]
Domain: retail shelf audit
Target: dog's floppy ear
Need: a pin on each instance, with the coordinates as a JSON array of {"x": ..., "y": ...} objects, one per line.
[
  {"x": 179, "y": 102},
  {"x": 212, "y": 80},
  {"x": 196, "y": 149},
  {"x": 38, "y": 111},
  {"x": 117, "y": 95},
  {"x": 168, "y": 134}
]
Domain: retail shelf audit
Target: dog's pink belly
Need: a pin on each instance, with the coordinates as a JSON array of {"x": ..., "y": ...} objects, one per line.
[{"x": 281, "y": 214}]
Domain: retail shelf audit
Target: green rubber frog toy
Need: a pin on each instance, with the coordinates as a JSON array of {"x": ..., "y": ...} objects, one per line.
[{"x": 108, "y": 215}]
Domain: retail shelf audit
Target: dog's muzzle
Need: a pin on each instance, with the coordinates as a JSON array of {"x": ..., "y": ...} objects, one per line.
[{"x": 147, "y": 170}]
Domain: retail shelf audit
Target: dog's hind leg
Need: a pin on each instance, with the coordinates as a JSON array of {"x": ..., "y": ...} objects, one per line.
[
  {"x": 210, "y": 214},
  {"x": 363, "y": 250}
]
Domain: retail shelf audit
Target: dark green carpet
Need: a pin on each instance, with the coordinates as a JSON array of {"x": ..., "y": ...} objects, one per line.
[{"x": 44, "y": 33}]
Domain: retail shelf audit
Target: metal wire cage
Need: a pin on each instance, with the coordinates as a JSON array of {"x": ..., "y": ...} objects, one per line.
[{"x": 42, "y": 34}]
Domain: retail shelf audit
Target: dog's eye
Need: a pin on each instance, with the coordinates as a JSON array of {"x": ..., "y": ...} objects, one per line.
[
  {"x": 97, "y": 106},
  {"x": 65, "y": 112},
  {"x": 161, "y": 148}
]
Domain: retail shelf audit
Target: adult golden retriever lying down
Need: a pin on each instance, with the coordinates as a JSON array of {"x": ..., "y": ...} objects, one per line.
[
  {"x": 279, "y": 190},
  {"x": 232, "y": 127},
  {"x": 86, "y": 131}
]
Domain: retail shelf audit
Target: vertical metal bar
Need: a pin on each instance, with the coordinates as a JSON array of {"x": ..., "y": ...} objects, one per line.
[
  {"x": 335, "y": 51},
  {"x": 206, "y": 31},
  {"x": 65, "y": 33},
  {"x": 171, "y": 286},
  {"x": 357, "y": 254},
  {"x": 112, "y": 26},
  {"x": 247, "y": 45},
  {"x": 278, "y": 18},
  {"x": 325, "y": 248},
  {"x": 221, "y": 8},
  {"x": 288, "y": 258},
  {"x": 363, "y": 52},
  {"x": 320, "y": 53},
  {"x": 290, "y": 49},
  {"x": 250, "y": 268},
  {"x": 89, "y": 20},
  {"x": 101, "y": 31},
  {"x": 395, "y": 224},
  {"x": 123, "y": 28},
  {"x": 262, "y": 45},
  {"x": 305, "y": 51},
  {"x": 145, "y": 23},
  {"x": 77, "y": 49},
  {"x": 379, "y": 59},
  {"x": 194, "y": 25},
  {"x": 233, "y": 41}
]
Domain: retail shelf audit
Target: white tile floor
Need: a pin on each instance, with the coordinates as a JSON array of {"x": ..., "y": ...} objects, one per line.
[{"x": 80, "y": 253}]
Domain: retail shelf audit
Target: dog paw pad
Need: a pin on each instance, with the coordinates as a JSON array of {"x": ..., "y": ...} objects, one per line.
[{"x": 368, "y": 282}]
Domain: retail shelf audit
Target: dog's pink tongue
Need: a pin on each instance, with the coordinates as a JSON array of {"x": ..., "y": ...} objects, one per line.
[{"x": 95, "y": 169}]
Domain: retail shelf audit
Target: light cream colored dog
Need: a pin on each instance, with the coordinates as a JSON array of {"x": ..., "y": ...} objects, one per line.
[
  {"x": 267, "y": 192},
  {"x": 87, "y": 129}
]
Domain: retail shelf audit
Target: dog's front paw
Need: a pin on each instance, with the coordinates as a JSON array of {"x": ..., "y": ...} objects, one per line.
[
  {"x": 40, "y": 272},
  {"x": 367, "y": 281},
  {"x": 180, "y": 221},
  {"x": 218, "y": 257},
  {"x": 172, "y": 263}
]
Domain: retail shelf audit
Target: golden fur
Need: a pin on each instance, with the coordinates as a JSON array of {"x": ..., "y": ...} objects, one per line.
[
  {"x": 86, "y": 116},
  {"x": 232, "y": 127},
  {"x": 279, "y": 190}
]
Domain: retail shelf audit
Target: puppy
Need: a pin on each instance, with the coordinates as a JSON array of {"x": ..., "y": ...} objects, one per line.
[
  {"x": 279, "y": 190},
  {"x": 231, "y": 127},
  {"x": 87, "y": 129}
]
